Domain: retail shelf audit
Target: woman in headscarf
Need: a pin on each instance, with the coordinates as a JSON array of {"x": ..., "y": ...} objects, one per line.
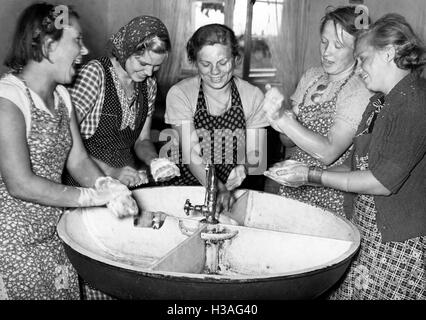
[{"x": 114, "y": 97}]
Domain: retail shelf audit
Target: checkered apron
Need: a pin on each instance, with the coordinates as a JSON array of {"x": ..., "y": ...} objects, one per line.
[
  {"x": 381, "y": 271},
  {"x": 224, "y": 145}
]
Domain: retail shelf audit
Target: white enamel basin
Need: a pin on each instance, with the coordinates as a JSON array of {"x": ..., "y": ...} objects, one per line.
[{"x": 282, "y": 248}]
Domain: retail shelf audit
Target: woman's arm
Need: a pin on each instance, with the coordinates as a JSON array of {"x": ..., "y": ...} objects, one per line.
[
  {"x": 79, "y": 164},
  {"x": 15, "y": 165},
  {"x": 144, "y": 148},
  {"x": 324, "y": 148},
  {"x": 362, "y": 182}
]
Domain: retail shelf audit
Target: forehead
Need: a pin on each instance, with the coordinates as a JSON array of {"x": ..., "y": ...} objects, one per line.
[
  {"x": 74, "y": 27},
  {"x": 151, "y": 57},
  {"x": 337, "y": 33},
  {"x": 216, "y": 51}
]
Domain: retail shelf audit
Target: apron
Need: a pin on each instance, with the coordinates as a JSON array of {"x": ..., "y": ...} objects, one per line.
[
  {"x": 318, "y": 118},
  {"x": 33, "y": 261},
  {"x": 223, "y": 153},
  {"x": 110, "y": 143},
  {"x": 380, "y": 271}
]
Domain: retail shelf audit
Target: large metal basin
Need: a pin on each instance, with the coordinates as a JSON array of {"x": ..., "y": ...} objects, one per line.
[{"x": 284, "y": 249}]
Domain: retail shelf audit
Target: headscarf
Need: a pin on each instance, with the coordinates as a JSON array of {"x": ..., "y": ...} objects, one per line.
[{"x": 123, "y": 44}]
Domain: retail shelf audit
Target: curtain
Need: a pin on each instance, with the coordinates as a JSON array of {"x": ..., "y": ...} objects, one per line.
[
  {"x": 174, "y": 14},
  {"x": 288, "y": 48}
]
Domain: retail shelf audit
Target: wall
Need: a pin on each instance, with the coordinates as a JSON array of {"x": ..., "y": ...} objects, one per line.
[
  {"x": 99, "y": 19},
  {"x": 413, "y": 10}
]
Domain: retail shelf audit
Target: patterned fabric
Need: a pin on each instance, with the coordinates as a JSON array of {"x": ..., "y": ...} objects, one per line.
[
  {"x": 232, "y": 124},
  {"x": 110, "y": 143},
  {"x": 382, "y": 271},
  {"x": 124, "y": 43},
  {"x": 88, "y": 94},
  {"x": 33, "y": 261},
  {"x": 90, "y": 293},
  {"x": 318, "y": 118}
]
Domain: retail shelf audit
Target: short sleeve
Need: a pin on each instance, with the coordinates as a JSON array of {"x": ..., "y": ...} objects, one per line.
[
  {"x": 86, "y": 89},
  {"x": 178, "y": 107},
  {"x": 399, "y": 145},
  {"x": 308, "y": 77},
  {"x": 12, "y": 91},
  {"x": 255, "y": 117},
  {"x": 352, "y": 102}
]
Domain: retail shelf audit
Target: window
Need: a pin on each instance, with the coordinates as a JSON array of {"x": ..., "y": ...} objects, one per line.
[{"x": 234, "y": 13}]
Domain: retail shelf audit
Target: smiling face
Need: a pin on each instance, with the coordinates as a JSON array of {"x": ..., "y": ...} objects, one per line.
[
  {"x": 139, "y": 67},
  {"x": 372, "y": 66},
  {"x": 336, "y": 49},
  {"x": 215, "y": 65},
  {"x": 68, "y": 52}
]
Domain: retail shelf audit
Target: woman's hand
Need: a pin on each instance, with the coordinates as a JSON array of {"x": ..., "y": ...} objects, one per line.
[
  {"x": 163, "y": 169},
  {"x": 225, "y": 200},
  {"x": 127, "y": 175},
  {"x": 289, "y": 173},
  {"x": 272, "y": 103},
  {"x": 236, "y": 177}
]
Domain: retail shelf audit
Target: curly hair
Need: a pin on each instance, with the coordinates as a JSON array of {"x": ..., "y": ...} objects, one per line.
[{"x": 209, "y": 35}]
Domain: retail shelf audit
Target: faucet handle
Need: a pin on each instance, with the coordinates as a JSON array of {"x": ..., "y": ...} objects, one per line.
[{"x": 187, "y": 208}]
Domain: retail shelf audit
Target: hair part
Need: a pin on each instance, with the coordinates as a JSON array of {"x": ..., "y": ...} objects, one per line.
[
  {"x": 210, "y": 35},
  {"x": 35, "y": 24},
  {"x": 156, "y": 43},
  {"x": 393, "y": 30}
]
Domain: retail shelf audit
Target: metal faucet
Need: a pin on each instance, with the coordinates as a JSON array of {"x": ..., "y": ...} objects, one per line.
[{"x": 208, "y": 209}]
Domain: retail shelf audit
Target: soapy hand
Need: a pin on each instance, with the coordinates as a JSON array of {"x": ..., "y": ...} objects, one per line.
[
  {"x": 162, "y": 169},
  {"x": 289, "y": 173},
  {"x": 236, "y": 177},
  {"x": 272, "y": 103},
  {"x": 111, "y": 192}
]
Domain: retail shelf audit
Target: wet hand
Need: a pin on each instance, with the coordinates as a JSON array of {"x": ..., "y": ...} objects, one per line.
[
  {"x": 162, "y": 169},
  {"x": 225, "y": 200},
  {"x": 236, "y": 177},
  {"x": 272, "y": 103},
  {"x": 289, "y": 173},
  {"x": 127, "y": 175},
  {"x": 106, "y": 189}
]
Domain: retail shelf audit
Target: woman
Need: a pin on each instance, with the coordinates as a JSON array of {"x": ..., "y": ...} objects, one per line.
[
  {"x": 38, "y": 137},
  {"x": 388, "y": 174},
  {"x": 326, "y": 108},
  {"x": 217, "y": 105},
  {"x": 114, "y": 97}
]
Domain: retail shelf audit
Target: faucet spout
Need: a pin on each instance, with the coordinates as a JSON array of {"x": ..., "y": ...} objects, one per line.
[
  {"x": 208, "y": 209},
  {"x": 210, "y": 200}
]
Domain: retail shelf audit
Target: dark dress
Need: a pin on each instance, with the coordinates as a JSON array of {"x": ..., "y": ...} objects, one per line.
[{"x": 382, "y": 270}]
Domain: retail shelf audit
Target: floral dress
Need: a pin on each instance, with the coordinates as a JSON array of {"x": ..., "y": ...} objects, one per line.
[
  {"x": 33, "y": 263},
  {"x": 381, "y": 271},
  {"x": 318, "y": 118}
]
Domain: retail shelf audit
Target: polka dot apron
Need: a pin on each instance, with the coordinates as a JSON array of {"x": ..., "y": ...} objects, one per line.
[
  {"x": 111, "y": 143},
  {"x": 222, "y": 138},
  {"x": 33, "y": 261}
]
